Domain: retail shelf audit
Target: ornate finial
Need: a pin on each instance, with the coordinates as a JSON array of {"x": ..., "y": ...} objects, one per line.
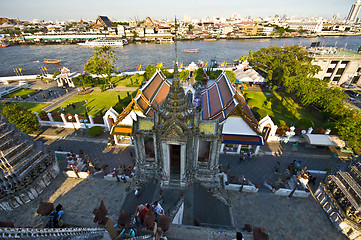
[{"x": 175, "y": 75}]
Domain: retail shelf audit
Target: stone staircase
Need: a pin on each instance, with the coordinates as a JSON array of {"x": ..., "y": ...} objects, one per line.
[{"x": 26, "y": 166}]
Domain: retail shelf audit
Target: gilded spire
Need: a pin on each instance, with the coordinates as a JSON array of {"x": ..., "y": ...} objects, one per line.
[{"x": 176, "y": 102}]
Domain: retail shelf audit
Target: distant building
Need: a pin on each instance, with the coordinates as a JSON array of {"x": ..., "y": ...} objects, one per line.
[
  {"x": 311, "y": 26},
  {"x": 354, "y": 11},
  {"x": 338, "y": 66},
  {"x": 104, "y": 21}
]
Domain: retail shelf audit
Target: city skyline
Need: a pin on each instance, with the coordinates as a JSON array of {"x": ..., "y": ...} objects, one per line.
[{"x": 160, "y": 9}]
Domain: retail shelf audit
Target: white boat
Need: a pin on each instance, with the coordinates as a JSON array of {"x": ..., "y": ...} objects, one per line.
[{"x": 105, "y": 42}]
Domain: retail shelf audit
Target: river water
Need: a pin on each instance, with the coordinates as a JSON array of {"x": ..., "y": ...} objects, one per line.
[{"x": 30, "y": 58}]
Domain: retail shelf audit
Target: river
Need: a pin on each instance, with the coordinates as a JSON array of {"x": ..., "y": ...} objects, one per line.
[{"x": 30, "y": 57}]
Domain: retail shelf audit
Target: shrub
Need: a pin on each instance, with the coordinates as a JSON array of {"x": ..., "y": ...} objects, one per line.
[
  {"x": 281, "y": 123},
  {"x": 267, "y": 104},
  {"x": 274, "y": 87},
  {"x": 102, "y": 87},
  {"x": 304, "y": 122},
  {"x": 259, "y": 113},
  {"x": 95, "y": 131},
  {"x": 57, "y": 132},
  {"x": 282, "y": 130},
  {"x": 252, "y": 102}
]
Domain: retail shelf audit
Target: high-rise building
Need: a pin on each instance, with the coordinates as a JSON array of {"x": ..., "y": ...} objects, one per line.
[{"x": 355, "y": 9}]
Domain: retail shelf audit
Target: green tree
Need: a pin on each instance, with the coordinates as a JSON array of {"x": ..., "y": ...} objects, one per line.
[
  {"x": 349, "y": 129},
  {"x": 183, "y": 75},
  {"x": 22, "y": 118},
  {"x": 198, "y": 74},
  {"x": 149, "y": 71},
  {"x": 102, "y": 62},
  {"x": 231, "y": 75}
]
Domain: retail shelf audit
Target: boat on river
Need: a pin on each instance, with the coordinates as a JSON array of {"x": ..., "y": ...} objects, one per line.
[
  {"x": 51, "y": 61},
  {"x": 209, "y": 39},
  {"x": 3, "y": 45},
  {"x": 191, "y": 50},
  {"x": 105, "y": 42}
]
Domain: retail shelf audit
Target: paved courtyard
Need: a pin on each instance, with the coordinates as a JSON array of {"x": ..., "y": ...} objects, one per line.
[{"x": 284, "y": 218}]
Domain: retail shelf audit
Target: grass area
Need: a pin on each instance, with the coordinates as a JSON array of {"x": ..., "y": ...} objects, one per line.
[
  {"x": 128, "y": 81},
  {"x": 34, "y": 107},
  {"x": 22, "y": 92},
  {"x": 98, "y": 102},
  {"x": 280, "y": 108}
]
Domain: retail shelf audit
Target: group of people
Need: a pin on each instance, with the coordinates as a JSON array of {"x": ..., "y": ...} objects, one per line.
[
  {"x": 143, "y": 209},
  {"x": 243, "y": 156}
]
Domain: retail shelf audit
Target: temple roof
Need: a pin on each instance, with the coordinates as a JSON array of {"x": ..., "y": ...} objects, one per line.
[
  {"x": 151, "y": 95},
  {"x": 104, "y": 21},
  {"x": 218, "y": 101}
]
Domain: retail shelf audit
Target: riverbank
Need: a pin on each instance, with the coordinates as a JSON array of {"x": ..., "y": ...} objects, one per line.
[
  {"x": 130, "y": 57},
  {"x": 51, "y": 40}
]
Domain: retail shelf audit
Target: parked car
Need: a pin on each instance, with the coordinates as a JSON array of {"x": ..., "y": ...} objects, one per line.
[
  {"x": 352, "y": 93},
  {"x": 346, "y": 85}
]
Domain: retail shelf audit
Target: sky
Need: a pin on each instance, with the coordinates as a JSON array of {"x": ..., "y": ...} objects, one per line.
[{"x": 162, "y": 9}]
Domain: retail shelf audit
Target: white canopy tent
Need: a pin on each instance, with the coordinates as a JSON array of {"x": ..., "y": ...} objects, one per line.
[{"x": 323, "y": 140}]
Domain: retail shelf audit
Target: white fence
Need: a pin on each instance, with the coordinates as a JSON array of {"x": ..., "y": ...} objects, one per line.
[
  {"x": 12, "y": 89},
  {"x": 79, "y": 123}
]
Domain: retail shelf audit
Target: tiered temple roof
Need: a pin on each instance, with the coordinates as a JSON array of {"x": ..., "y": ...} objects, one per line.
[{"x": 218, "y": 101}]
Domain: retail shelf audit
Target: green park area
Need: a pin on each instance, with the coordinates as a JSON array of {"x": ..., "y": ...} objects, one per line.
[
  {"x": 24, "y": 92},
  {"x": 33, "y": 107},
  {"x": 97, "y": 102},
  {"x": 283, "y": 110}
]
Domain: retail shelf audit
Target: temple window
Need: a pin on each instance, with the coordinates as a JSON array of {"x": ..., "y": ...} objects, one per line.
[
  {"x": 203, "y": 151},
  {"x": 149, "y": 147}
]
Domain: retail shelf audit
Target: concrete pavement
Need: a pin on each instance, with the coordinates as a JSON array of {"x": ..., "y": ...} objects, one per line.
[{"x": 284, "y": 218}]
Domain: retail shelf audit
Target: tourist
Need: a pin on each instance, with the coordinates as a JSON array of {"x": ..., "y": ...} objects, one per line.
[
  {"x": 250, "y": 155},
  {"x": 312, "y": 180},
  {"x": 239, "y": 236},
  {"x": 158, "y": 208},
  {"x": 127, "y": 232},
  {"x": 140, "y": 212},
  {"x": 55, "y": 220},
  {"x": 35, "y": 99},
  {"x": 242, "y": 158}
]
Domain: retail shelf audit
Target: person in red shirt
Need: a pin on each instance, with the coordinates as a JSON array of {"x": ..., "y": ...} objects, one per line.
[{"x": 140, "y": 212}]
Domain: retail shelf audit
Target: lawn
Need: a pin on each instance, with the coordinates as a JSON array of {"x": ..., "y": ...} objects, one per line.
[
  {"x": 34, "y": 107},
  {"x": 22, "y": 92},
  {"x": 280, "y": 108},
  {"x": 128, "y": 81},
  {"x": 98, "y": 102}
]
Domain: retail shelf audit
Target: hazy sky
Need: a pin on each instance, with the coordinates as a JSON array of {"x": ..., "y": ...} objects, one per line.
[{"x": 159, "y": 9}]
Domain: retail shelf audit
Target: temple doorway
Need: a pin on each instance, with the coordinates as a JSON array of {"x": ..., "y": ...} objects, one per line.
[{"x": 175, "y": 161}]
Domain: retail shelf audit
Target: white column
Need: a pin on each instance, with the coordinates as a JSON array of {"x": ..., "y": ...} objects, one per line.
[
  {"x": 63, "y": 118},
  {"x": 256, "y": 151},
  {"x": 116, "y": 140},
  {"x": 91, "y": 120},
  {"x": 222, "y": 147},
  {"x": 50, "y": 117},
  {"x": 183, "y": 163},
  {"x": 37, "y": 116},
  {"x": 309, "y": 131},
  {"x": 239, "y": 148},
  {"x": 166, "y": 164},
  {"x": 77, "y": 119}
]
